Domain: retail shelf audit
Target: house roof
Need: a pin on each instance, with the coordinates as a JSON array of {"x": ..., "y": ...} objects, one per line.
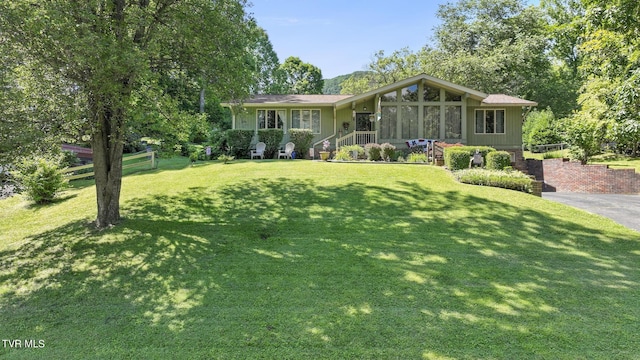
[
  {"x": 340, "y": 101},
  {"x": 295, "y": 99},
  {"x": 506, "y": 100}
]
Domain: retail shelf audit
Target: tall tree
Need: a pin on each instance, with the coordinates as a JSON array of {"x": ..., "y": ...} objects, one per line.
[
  {"x": 111, "y": 50},
  {"x": 495, "y": 46},
  {"x": 611, "y": 61},
  {"x": 301, "y": 77},
  {"x": 269, "y": 77}
]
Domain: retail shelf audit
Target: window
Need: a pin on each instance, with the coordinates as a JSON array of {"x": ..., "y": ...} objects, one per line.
[
  {"x": 306, "y": 119},
  {"x": 431, "y": 93},
  {"x": 388, "y": 122},
  {"x": 490, "y": 122},
  {"x": 410, "y": 93},
  {"x": 390, "y": 97},
  {"x": 271, "y": 119},
  {"x": 409, "y": 115},
  {"x": 453, "y": 122},
  {"x": 452, "y": 97},
  {"x": 432, "y": 122}
]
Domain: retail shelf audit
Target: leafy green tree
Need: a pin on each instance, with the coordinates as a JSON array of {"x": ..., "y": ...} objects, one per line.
[
  {"x": 492, "y": 46},
  {"x": 269, "y": 77},
  {"x": 301, "y": 77},
  {"x": 610, "y": 65},
  {"x": 383, "y": 70},
  {"x": 114, "y": 52},
  {"x": 539, "y": 128}
]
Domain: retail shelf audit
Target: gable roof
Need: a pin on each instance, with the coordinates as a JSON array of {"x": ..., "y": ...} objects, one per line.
[{"x": 506, "y": 100}]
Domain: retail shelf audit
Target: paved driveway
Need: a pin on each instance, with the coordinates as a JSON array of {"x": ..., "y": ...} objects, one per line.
[{"x": 623, "y": 209}]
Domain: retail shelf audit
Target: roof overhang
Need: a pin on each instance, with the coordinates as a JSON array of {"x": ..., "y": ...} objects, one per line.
[
  {"x": 506, "y": 100},
  {"x": 410, "y": 81}
]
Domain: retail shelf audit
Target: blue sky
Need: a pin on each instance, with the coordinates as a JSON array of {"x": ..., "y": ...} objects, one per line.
[{"x": 341, "y": 36}]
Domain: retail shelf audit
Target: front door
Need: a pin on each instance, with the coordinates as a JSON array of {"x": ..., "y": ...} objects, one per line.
[{"x": 362, "y": 122}]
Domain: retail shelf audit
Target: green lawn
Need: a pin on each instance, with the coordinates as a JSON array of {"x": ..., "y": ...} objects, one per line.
[
  {"x": 614, "y": 161},
  {"x": 312, "y": 260},
  {"x": 617, "y": 162}
]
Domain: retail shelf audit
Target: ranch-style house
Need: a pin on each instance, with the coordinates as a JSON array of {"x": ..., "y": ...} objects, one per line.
[{"x": 420, "y": 107}]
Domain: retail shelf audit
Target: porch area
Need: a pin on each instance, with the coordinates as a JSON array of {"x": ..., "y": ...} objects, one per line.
[{"x": 357, "y": 138}]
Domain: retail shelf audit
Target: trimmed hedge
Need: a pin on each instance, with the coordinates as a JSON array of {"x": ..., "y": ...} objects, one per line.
[
  {"x": 498, "y": 160},
  {"x": 457, "y": 157},
  {"x": 272, "y": 138},
  {"x": 239, "y": 142},
  {"x": 513, "y": 180},
  {"x": 302, "y": 138}
]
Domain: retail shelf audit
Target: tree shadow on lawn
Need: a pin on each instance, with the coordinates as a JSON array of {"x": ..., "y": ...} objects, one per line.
[{"x": 275, "y": 269}]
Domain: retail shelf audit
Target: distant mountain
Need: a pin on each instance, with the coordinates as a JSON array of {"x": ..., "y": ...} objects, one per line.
[{"x": 332, "y": 86}]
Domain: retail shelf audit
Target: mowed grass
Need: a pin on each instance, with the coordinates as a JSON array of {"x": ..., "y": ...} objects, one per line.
[{"x": 312, "y": 260}]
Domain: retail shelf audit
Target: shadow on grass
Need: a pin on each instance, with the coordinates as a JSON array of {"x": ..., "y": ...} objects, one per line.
[{"x": 277, "y": 269}]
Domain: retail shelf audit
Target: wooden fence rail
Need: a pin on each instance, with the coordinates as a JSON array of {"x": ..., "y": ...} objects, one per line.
[{"x": 151, "y": 160}]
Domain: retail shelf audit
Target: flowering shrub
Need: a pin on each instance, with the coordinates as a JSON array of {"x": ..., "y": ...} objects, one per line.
[
  {"x": 513, "y": 180},
  {"x": 388, "y": 151},
  {"x": 373, "y": 151}
]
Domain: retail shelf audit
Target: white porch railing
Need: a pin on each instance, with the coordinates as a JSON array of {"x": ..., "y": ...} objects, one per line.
[{"x": 357, "y": 138}]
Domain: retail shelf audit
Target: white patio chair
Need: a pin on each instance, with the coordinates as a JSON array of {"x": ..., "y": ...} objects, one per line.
[
  {"x": 259, "y": 151},
  {"x": 288, "y": 149}
]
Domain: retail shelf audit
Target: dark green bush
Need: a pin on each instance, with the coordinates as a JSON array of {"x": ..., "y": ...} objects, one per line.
[
  {"x": 460, "y": 155},
  {"x": 513, "y": 180},
  {"x": 373, "y": 151},
  {"x": 41, "y": 179},
  {"x": 456, "y": 158},
  {"x": 302, "y": 138},
  {"x": 388, "y": 152},
  {"x": 498, "y": 160},
  {"x": 239, "y": 142},
  {"x": 218, "y": 143},
  {"x": 272, "y": 138}
]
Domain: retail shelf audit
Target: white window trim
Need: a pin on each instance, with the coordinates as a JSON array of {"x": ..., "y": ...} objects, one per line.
[
  {"x": 475, "y": 118},
  {"x": 313, "y": 131},
  {"x": 284, "y": 121}
]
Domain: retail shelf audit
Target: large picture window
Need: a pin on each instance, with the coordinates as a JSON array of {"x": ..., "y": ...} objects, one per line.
[
  {"x": 490, "y": 121},
  {"x": 306, "y": 119},
  {"x": 271, "y": 119},
  {"x": 453, "y": 122},
  {"x": 409, "y": 115},
  {"x": 388, "y": 123},
  {"x": 432, "y": 122}
]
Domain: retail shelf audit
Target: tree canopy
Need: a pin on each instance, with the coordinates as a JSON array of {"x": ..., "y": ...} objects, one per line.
[
  {"x": 113, "y": 54},
  {"x": 301, "y": 77}
]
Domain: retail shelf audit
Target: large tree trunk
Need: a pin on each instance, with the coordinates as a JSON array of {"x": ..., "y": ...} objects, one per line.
[{"x": 107, "y": 144}]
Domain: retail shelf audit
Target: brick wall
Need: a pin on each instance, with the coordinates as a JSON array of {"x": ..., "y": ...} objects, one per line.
[{"x": 562, "y": 175}]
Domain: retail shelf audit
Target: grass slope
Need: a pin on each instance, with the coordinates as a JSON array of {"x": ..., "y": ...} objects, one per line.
[{"x": 301, "y": 259}]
